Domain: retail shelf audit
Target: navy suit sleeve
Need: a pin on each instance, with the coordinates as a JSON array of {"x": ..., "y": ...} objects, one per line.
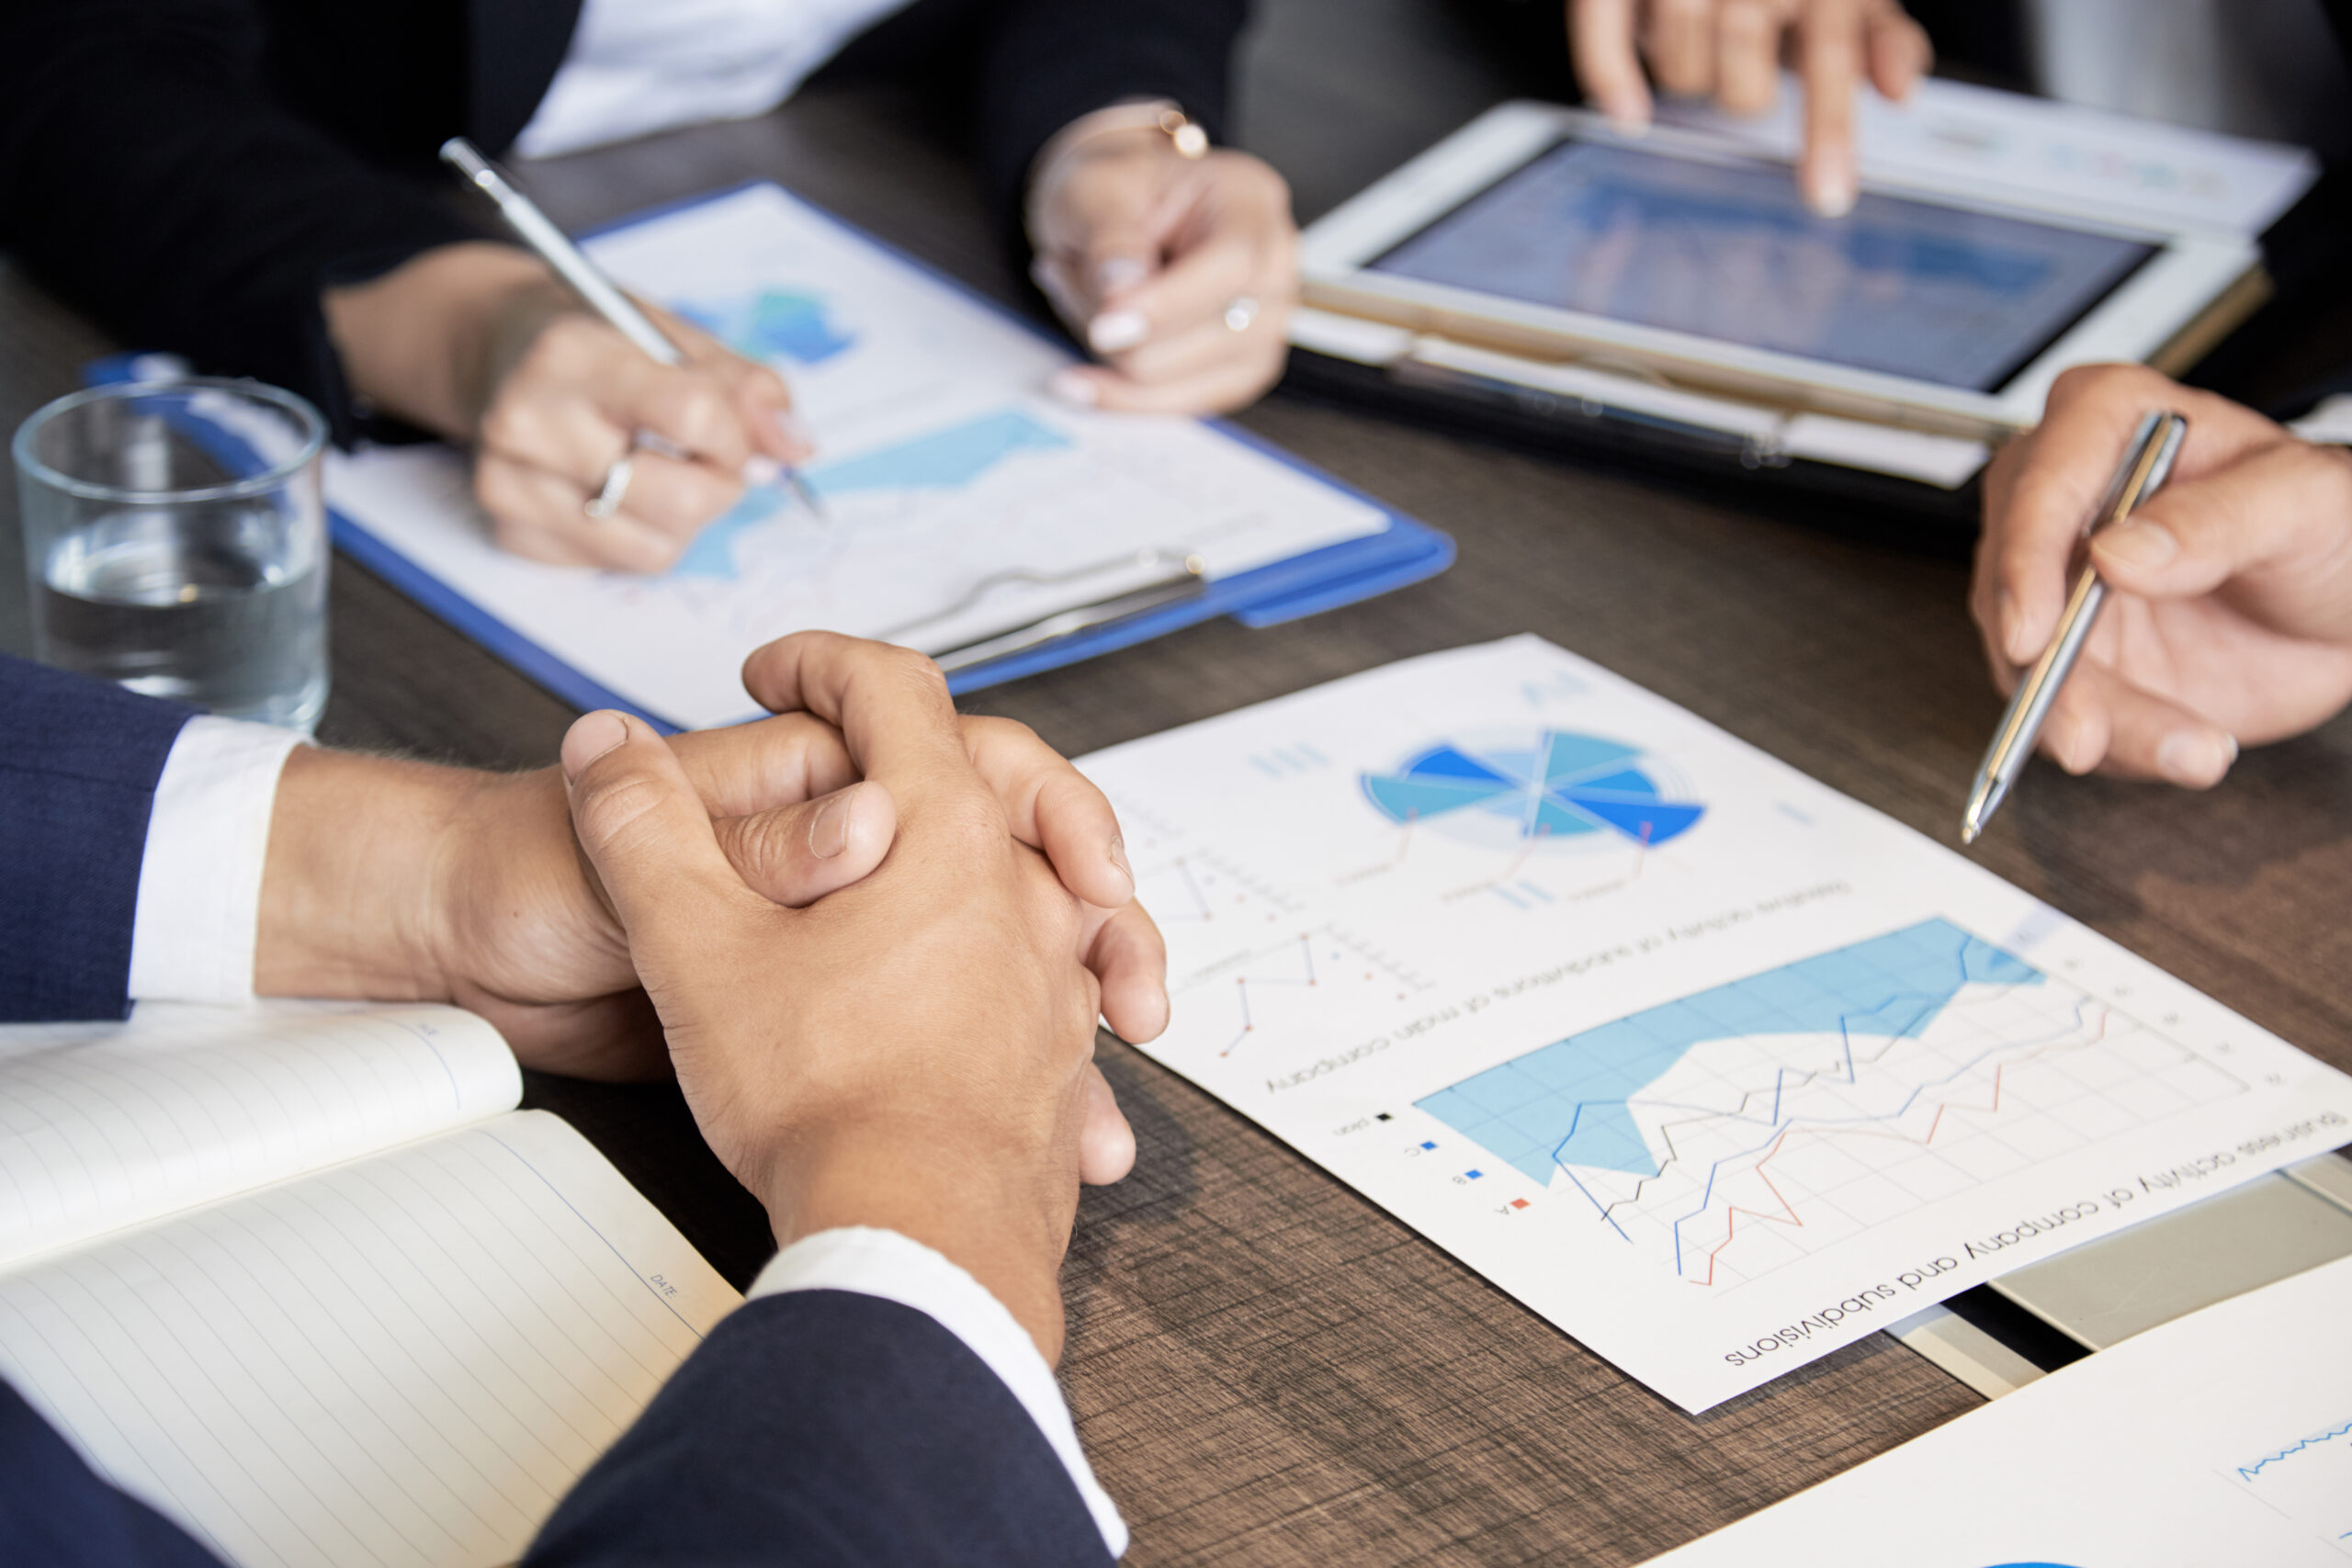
[
  {"x": 77, "y": 781},
  {"x": 56, "y": 1513},
  {"x": 827, "y": 1428}
]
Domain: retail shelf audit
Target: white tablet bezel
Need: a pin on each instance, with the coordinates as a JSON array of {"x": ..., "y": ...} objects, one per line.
[{"x": 2189, "y": 272}]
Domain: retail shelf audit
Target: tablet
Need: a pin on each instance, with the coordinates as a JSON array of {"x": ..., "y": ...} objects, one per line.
[{"x": 1541, "y": 230}]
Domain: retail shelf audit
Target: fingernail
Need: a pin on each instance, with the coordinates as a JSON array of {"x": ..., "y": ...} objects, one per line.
[
  {"x": 1119, "y": 859},
  {"x": 1626, "y": 116},
  {"x": 591, "y": 737},
  {"x": 2137, "y": 544},
  {"x": 2004, "y": 623},
  {"x": 829, "y": 830},
  {"x": 1116, "y": 330},
  {"x": 1115, "y": 273},
  {"x": 788, "y": 424},
  {"x": 1072, "y": 388},
  {"x": 759, "y": 470},
  {"x": 2195, "y": 759},
  {"x": 1833, "y": 192},
  {"x": 2064, "y": 740}
]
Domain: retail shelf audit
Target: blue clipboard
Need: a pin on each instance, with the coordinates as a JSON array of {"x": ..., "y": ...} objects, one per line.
[{"x": 1405, "y": 552}]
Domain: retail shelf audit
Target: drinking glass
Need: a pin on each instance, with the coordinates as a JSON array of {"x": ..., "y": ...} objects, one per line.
[{"x": 176, "y": 542}]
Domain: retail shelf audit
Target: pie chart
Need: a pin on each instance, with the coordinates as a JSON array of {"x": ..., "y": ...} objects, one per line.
[{"x": 1565, "y": 786}]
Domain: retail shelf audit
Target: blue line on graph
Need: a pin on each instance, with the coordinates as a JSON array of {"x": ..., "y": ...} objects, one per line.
[
  {"x": 2247, "y": 1472},
  {"x": 1896, "y": 1115}
]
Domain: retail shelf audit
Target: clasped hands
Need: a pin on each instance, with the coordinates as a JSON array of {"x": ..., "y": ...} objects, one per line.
[{"x": 875, "y": 937}]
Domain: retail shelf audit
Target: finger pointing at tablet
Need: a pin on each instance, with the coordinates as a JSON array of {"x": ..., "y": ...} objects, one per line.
[{"x": 1730, "y": 51}]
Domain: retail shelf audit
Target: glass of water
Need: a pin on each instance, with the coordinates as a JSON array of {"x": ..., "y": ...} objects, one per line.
[{"x": 176, "y": 542}]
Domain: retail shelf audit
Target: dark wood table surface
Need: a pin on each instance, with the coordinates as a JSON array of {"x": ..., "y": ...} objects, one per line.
[{"x": 1266, "y": 1368}]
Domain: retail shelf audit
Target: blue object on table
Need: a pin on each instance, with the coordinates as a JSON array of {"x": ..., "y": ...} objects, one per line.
[{"x": 1403, "y": 553}]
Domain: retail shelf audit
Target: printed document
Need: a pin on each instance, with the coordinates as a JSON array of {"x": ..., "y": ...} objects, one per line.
[
  {"x": 960, "y": 501},
  {"x": 1712, "y": 1066},
  {"x": 2224, "y": 1437}
]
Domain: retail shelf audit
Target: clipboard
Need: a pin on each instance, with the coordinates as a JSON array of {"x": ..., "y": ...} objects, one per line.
[{"x": 1402, "y": 552}]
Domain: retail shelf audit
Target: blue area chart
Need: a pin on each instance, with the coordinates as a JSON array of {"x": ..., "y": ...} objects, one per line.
[
  {"x": 941, "y": 460},
  {"x": 774, "y": 325},
  {"x": 1565, "y": 786},
  {"x": 1565, "y": 1104}
]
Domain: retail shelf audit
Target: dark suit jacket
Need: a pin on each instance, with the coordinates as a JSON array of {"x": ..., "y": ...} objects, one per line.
[
  {"x": 815, "y": 1427},
  {"x": 193, "y": 173},
  {"x": 77, "y": 777}
]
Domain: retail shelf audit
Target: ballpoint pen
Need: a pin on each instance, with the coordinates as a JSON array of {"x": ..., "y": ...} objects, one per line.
[
  {"x": 572, "y": 265},
  {"x": 2146, "y": 463}
]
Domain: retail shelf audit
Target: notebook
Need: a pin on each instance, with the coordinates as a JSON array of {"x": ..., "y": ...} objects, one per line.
[
  {"x": 304, "y": 1279},
  {"x": 963, "y": 504}
]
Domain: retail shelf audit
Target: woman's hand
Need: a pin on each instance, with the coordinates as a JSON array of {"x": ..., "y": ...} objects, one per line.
[
  {"x": 1178, "y": 272},
  {"x": 1730, "y": 51},
  {"x": 2228, "y": 607},
  {"x": 479, "y": 344}
]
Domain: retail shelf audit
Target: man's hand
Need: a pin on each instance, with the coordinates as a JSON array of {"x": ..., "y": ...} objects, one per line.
[
  {"x": 1179, "y": 273},
  {"x": 403, "y": 881},
  {"x": 2228, "y": 609},
  {"x": 1730, "y": 51},
  {"x": 913, "y": 1051},
  {"x": 479, "y": 344}
]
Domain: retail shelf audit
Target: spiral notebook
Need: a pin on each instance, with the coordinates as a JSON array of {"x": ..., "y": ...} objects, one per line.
[{"x": 305, "y": 1280}]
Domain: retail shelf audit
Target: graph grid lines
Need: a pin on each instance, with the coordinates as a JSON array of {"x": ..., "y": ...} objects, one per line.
[{"x": 1739, "y": 1129}]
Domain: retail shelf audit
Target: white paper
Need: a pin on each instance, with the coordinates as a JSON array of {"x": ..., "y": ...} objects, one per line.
[
  {"x": 963, "y": 501},
  {"x": 108, "y": 1124},
  {"x": 2222, "y": 1437},
  {"x": 2005, "y": 146},
  {"x": 1807, "y": 1072},
  {"x": 405, "y": 1362}
]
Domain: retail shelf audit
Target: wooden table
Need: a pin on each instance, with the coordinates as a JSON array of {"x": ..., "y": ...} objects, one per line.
[{"x": 1266, "y": 1368}]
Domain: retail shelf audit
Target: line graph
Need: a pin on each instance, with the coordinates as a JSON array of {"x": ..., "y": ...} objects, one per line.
[
  {"x": 1278, "y": 994},
  {"x": 1736, "y": 1130}
]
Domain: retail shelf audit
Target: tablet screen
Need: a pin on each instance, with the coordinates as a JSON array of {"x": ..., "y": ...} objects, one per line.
[{"x": 1729, "y": 251}]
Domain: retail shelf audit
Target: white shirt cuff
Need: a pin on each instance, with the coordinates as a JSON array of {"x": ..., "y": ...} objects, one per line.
[
  {"x": 199, "y": 913},
  {"x": 2330, "y": 422},
  {"x": 900, "y": 1269}
]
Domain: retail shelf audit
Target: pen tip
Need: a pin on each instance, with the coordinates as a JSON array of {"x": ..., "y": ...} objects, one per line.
[{"x": 1967, "y": 833}]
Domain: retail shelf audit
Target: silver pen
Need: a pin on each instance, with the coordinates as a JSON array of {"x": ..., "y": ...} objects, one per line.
[
  {"x": 2146, "y": 464},
  {"x": 572, "y": 265}
]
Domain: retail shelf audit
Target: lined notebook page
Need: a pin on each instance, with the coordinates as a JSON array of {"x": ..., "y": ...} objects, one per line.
[
  {"x": 105, "y": 1125},
  {"x": 403, "y": 1361}
]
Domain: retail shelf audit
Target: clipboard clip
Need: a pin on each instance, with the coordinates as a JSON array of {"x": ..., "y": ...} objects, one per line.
[{"x": 1179, "y": 586}]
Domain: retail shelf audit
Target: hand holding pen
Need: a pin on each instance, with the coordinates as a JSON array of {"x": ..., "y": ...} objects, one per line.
[
  {"x": 592, "y": 449},
  {"x": 2228, "y": 613}
]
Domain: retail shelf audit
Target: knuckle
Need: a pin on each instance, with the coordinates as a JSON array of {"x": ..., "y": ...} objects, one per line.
[
  {"x": 762, "y": 846},
  {"x": 509, "y": 425},
  {"x": 701, "y": 414},
  {"x": 612, "y": 807},
  {"x": 917, "y": 672}
]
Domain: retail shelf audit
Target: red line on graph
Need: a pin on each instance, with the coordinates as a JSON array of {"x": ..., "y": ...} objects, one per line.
[{"x": 1788, "y": 1215}]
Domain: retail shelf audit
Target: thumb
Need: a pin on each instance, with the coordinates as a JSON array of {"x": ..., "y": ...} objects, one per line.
[
  {"x": 1107, "y": 1144},
  {"x": 644, "y": 830},
  {"x": 794, "y": 855}
]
